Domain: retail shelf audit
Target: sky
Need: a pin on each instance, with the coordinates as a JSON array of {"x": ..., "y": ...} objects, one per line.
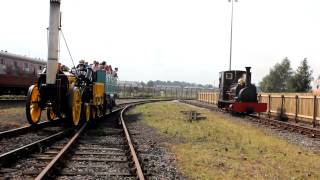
[{"x": 184, "y": 40}]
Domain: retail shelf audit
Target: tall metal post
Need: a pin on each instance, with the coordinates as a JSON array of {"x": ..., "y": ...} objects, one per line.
[
  {"x": 53, "y": 44},
  {"x": 231, "y": 32}
]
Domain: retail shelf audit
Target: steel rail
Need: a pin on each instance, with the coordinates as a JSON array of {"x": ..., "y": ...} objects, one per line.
[
  {"x": 286, "y": 125},
  {"x": 50, "y": 167},
  {"x": 135, "y": 159},
  {"x": 16, "y": 153},
  {"x": 54, "y": 161},
  {"x": 313, "y": 132},
  {"x": 26, "y": 129},
  {"x": 13, "y": 98}
]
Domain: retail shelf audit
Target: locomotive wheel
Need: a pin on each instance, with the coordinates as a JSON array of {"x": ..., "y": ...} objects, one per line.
[
  {"x": 110, "y": 108},
  {"x": 93, "y": 113},
  {"x": 50, "y": 114},
  {"x": 33, "y": 110},
  {"x": 75, "y": 106},
  {"x": 87, "y": 112}
]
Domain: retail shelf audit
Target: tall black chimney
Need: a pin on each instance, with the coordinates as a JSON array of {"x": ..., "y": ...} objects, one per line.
[{"x": 248, "y": 76}]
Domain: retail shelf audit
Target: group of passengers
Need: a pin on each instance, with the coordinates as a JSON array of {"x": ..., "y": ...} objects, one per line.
[{"x": 99, "y": 66}]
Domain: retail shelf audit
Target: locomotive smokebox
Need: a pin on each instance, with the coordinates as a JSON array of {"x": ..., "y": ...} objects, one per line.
[
  {"x": 53, "y": 44},
  {"x": 248, "y": 76}
]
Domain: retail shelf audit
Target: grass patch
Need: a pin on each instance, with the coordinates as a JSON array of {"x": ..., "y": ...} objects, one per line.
[{"x": 218, "y": 148}]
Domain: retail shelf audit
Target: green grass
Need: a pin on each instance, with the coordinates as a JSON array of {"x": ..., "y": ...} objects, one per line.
[{"x": 220, "y": 148}]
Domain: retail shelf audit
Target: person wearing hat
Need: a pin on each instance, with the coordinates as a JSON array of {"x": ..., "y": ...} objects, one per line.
[
  {"x": 86, "y": 64},
  {"x": 81, "y": 68},
  {"x": 81, "y": 64},
  {"x": 115, "y": 72},
  {"x": 102, "y": 64}
]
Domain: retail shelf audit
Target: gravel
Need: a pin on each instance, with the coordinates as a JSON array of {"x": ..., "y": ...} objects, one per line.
[{"x": 157, "y": 161}]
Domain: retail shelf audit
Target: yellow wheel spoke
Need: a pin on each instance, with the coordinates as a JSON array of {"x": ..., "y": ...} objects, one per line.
[
  {"x": 33, "y": 108},
  {"x": 76, "y": 106}
]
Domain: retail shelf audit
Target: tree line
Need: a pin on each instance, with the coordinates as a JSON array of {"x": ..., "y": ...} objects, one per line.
[{"x": 282, "y": 78}]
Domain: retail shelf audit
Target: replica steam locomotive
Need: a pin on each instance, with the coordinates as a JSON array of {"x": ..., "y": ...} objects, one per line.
[
  {"x": 81, "y": 95},
  {"x": 237, "y": 94}
]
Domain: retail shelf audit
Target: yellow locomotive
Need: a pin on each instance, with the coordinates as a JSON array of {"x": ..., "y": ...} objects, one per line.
[{"x": 80, "y": 95}]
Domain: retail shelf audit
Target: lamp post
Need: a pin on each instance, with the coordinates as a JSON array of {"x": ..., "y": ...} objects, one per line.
[{"x": 231, "y": 32}]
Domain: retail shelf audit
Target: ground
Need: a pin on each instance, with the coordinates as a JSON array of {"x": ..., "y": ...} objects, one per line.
[
  {"x": 12, "y": 115},
  {"x": 220, "y": 147}
]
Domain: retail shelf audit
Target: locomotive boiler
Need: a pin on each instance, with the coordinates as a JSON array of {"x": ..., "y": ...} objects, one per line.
[{"x": 237, "y": 94}]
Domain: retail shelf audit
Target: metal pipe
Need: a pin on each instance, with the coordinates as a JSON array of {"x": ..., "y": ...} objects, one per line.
[
  {"x": 53, "y": 44},
  {"x": 248, "y": 76}
]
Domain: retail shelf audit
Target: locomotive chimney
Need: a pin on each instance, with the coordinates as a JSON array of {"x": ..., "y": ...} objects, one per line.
[
  {"x": 53, "y": 44},
  {"x": 248, "y": 76}
]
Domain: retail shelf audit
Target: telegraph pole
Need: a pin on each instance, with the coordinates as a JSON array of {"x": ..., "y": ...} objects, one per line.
[{"x": 231, "y": 32}]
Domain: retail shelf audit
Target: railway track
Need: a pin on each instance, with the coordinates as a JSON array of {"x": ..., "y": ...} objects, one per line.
[
  {"x": 34, "y": 128},
  {"x": 101, "y": 149},
  {"x": 26, "y": 129},
  {"x": 288, "y": 126},
  {"x": 12, "y": 99}
]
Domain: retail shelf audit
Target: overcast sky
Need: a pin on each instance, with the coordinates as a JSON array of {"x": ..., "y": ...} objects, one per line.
[{"x": 186, "y": 40}]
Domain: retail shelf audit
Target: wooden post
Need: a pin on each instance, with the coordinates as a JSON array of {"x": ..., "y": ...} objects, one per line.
[
  {"x": 282, "y": 104},
  {"x": 142, "y": 91},
  {"x": 297, "y": 107},
  {"x": 176, "y": 92},
  {"x": 165, "y": 92},
  {"x": 171, "y": 94},
  {"x": 124, "y": 90},
  {"x": 314, "y": 111},
  {"x": 269, "y": 104}
]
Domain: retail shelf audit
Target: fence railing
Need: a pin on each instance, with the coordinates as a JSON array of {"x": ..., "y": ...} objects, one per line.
[
  {"x": 297, "y": 106},
  {"x": 208, "y": 97},
  {"x": 127, "y": 91}
]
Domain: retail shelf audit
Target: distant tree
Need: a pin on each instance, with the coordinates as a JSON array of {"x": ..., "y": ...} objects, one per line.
[
  {"x": 150, "y": 83},
  {"x": 209, "y": 86},
  {"x": 142, "y": 84},
  {"x": 301, "y": 79},
  {"x": 277, "y": 79}
]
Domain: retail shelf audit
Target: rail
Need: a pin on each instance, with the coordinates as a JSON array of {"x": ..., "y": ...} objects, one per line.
[
  {"x": 300, "y": 107},
  {"x": 302, "y": 129},
  {"x": 133, "y": 153},
  {"x": 26, "y": 129},
  {"x": 45, "y": 173}
]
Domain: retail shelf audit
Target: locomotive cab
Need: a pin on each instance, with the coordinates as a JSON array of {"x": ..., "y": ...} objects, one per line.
[{"x": 227, "y": 80}]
